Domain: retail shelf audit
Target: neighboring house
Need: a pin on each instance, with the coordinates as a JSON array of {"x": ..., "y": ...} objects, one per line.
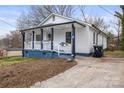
[{"x": 59, "y": 35}]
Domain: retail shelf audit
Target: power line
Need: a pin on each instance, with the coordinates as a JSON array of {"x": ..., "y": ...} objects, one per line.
[
  {"x": 7, "y": 23},
  {"x": 106, "y": 10}
]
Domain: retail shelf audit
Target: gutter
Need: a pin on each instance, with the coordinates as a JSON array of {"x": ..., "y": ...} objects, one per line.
[{"x": 99, "y": 29}]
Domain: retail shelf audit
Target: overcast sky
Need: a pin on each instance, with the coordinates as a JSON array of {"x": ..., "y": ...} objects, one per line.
[{"x": 11, "y": 13}]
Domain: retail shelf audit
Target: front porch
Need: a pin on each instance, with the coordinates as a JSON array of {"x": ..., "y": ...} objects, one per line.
[{"x": 50, "y": 40}]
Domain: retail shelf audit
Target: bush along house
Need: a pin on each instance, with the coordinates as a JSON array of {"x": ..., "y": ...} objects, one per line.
[{"x": 60, "y": 36}]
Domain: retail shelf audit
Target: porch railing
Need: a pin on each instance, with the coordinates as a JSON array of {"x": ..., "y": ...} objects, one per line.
[
  {"x": 28, "y": 45},
  {"x": 37, "y": 44},
  {"x": 47, "y": 46}
]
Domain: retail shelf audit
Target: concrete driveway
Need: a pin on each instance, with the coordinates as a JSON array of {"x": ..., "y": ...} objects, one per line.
[{"x": 89, "y": 73}]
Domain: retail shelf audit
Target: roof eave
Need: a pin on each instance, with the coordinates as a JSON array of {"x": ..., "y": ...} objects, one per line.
[{"x": 50, "y": 25}]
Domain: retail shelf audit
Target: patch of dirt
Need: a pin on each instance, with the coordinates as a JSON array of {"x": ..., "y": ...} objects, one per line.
[{"x": 26, "y": 74}]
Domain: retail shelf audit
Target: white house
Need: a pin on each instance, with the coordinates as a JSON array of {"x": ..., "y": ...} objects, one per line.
[{"x": 59, "y": 35}]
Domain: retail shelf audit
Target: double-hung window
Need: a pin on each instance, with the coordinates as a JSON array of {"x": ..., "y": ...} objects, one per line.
[
  {"x": 68, "y": 37},
  {"x": 38, "y": 37}
]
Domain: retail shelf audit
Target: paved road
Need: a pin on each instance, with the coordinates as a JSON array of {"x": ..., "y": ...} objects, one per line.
[{"x": 89, "y": 73}]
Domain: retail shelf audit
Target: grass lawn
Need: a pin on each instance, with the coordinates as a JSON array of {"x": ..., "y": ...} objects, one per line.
[
  {"x": 12, "y": 60},
  {"x": 116, "y": 53}
]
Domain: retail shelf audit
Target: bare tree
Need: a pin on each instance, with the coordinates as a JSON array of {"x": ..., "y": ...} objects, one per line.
[
  {"x": 4, "y": 42},
  {"x": 110, "y": 40},
  {"x": 82, "y": 9},
  {"x": 23, "y": 21},
  {"x": 97, "y": 21},
  {"x": 15, "y": 39},
  {"x": 117, "y": 26},
  {"x": 12, "y": 40},
  {"x": 38, "y": 13}
]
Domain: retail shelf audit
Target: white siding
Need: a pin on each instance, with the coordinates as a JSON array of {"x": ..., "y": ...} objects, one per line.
[
  {"x": 102, "y": 39},
  {"x": 82, "y": 40},
  {"x": 59, "y": 36},
  {"x": 90, "y": 38},
  {"x": 104, "y": 42}
]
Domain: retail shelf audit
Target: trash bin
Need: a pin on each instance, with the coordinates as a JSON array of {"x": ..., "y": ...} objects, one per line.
[{"x": 98, "y": 51}]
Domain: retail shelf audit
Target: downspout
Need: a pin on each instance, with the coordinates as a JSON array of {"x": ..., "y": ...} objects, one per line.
[{"x": 73, "y": 42}]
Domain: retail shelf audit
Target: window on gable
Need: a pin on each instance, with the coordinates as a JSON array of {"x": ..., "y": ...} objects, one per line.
[
  {"x": 38, "y": 38},
  {"x": 68, "y": 37}
]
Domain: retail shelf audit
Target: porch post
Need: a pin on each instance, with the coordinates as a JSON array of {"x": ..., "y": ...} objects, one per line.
[
  {"x": 52, "y": 32},
  {"x": 41, "y": 39},
  {"x": 32, "y": 39},
  {"x": 73, "y": 41},
  {"x": 23, "y": 43}
]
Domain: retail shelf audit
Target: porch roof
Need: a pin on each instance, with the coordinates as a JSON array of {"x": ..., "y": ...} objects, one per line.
[{"x": 56, "y": 24}]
